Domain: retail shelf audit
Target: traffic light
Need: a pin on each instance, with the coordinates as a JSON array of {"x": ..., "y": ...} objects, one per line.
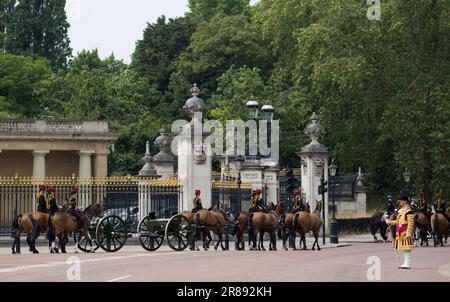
[{"x": 323, "y": 186}]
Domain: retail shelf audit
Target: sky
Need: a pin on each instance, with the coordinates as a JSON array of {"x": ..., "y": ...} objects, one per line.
[{"x": 114, "y": 26}]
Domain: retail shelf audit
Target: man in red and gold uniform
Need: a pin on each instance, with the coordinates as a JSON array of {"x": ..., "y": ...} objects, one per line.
[{"x": 404, "y": 240}]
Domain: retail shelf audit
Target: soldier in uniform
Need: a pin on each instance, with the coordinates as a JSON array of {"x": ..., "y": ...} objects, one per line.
[
  {"x": 197, "y": 202},
  {"x": 260, "y": 202},
  {"x": 253, "y": 207},
  {"x": 299, "y": 204},
  {"x": 404, "y": 241},
  {"x": 41, "y": 200},
  {"x": 440, "y": 206},
  {"x": 390, "y": 208},
  {"x": 53, "y": 205}
]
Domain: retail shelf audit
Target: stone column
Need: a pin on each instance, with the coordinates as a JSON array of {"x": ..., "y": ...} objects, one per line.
[
  {"x": 195, "y": 154},
  {"x": 85, "y": 169},
  {"x": 85, "y": 174},
  {"x": 361, "y": 195},
  {"x": 314, "y": 162},
  {"x": 101, "y": 164},
  {"x": 39, "y": 163},
  {"x": 271, "y": 176},
  {"x": 164, "y": 162}
]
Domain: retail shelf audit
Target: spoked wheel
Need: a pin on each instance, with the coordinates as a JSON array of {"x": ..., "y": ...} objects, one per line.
[
  {"x": 178, "y": 233},
  {"x": 85, "y": 245},
  {"x": 111, "y": 233},
  {"x": 151, "y": 234}
]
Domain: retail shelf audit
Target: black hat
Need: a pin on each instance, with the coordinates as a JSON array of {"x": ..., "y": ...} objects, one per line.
[{"x": 405, "y": 198}]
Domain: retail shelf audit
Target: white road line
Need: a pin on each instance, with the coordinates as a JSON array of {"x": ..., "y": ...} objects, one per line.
[
  {"x": 120, "y": 278},
  {"x": 59, "y": 263}
]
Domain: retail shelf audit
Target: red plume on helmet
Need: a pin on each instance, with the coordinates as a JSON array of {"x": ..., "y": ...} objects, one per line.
[
  {"x": 52, "y": 188},
  {"x": 42, "y": 187},
  {"x": 258, "y": 192},
  {"x": 197, "y": 191},
  {"x": 75, "y": 190}
]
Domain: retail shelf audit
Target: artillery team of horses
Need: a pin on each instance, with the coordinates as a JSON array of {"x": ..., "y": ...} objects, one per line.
[
  {"x": 182, "y": 230},
  {"x": 427, "y": 226}
]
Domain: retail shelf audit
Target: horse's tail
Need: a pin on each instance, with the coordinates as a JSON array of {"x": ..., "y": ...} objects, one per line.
[
  {"x": 295, "y": 224},
  {"x": 50, "y": 232},
  {"x": 16, "y": 222},
  {"x": 34, "y": 225}
]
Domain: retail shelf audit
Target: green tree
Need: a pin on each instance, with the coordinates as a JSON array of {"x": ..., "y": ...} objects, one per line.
[
  {"x": 96, "y": 89},
  {"x": 215, "y": 47},
  {"x": 163, "y": 41},
  {"x": 39, "y": 28},
  {"x": 19, "y": 77},
  {"x": 206, "y": 9}
]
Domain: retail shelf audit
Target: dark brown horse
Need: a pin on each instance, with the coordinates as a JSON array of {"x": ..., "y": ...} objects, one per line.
[
  {"x": 439, "y": 227},
  {"x": 377, "y": 223},
  {"x": 261, "y": 223},
  {"x": 62, "y": 223},
  {"x": 207, "y": 221},
  {"x": 304, "y": 222},
  {"x": 422, "y": 223},
  {"x": 33, "y": 224},
  {"x": 288, "y": 226},
  {"x": 242, "y": 221}
]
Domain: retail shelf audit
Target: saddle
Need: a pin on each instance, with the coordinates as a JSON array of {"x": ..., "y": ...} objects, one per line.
[{"x": 79, "y": 217}]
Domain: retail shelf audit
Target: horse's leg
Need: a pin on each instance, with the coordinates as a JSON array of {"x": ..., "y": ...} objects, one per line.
[
  {"x": 317, "y": 241},
  {"x": 16, "y": 243},
  {"x": 383, "y": 229},
  {"x": 274, "y": 241},
  {"x": 216, "y": 246},
  {"x": 261, "y": 240}
]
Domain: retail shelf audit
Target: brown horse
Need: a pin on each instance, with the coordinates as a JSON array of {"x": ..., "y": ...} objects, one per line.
[
  {"x": 265, "y": 222},
  {"x": 210, "y": 220},
  {"x": 242, "y": 221},
  {"x": 439, "y": 228},
  {"x": 304, "y": 222},
  {"x": 288, "y": 226},
  {"x": 422, "y": 223},
  {"x": 33, "y": 225},
  {"x": 62, "y": 223}
]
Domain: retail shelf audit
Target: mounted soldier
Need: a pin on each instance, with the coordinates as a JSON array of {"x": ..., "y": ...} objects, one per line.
[
  {"x": 197, "y": 202},
  {"x": 53, "y": 205},
  {"x": 299, "y": 204},
  {"x": 41, "y": 200},
  {"x": 73, "y": 206},
  {"x": 256, "y": 202},
  {"x": 390, "y": 208},
  {"x": 440, "y": 206}
]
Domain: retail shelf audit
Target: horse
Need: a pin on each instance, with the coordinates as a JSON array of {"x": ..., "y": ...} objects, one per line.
[
  {"x": 287, "y": 226},
  {"x": 265, "y": 222},
  {"x": 62, "y": 223},
  {"x": 242, "y": 221},
  {"x": 439, "y": 227},
  {"x": 213, "y": 220},
  {"x": 304, "y": 222},
  {"x": 377, "y": 223},
  {"x": 190, "y": 216},
  {"x": 33, "y": 224},
  {"x": 422, "y": 223}
]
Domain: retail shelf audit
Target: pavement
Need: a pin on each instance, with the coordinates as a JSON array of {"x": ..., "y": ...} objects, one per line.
[{"x": 357, "y": 258}]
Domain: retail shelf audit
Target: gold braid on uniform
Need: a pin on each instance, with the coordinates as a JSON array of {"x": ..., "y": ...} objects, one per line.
[
  {"x": 405, "y": 225},
  {"x": 253, "y": 202}
]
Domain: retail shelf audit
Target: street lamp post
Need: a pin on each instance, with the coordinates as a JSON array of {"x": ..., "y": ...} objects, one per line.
[
  {"x": 334, "y": 224},
  {"x": 239, "y": 162},
  {"x": 407, "y": 177}
]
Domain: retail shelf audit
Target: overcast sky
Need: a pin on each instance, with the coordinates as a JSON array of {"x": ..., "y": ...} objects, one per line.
[{"x": 114, "y": 26}]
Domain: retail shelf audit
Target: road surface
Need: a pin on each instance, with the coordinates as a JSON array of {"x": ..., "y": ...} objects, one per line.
[{"x": 356, "y": 262}]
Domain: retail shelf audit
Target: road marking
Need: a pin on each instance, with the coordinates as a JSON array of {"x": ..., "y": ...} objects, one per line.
[
  {"x": 59, "y": 263},
  {"x": 120, "y": 278},
  {"x": 444, "y": 270}
]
